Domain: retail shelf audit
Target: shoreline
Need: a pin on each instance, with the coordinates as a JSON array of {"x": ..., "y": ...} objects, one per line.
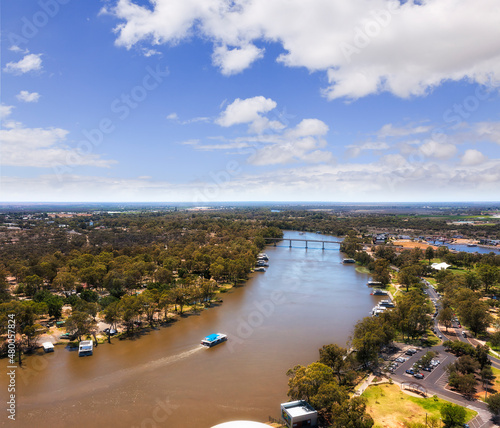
[{"x": 172, "y": 318}]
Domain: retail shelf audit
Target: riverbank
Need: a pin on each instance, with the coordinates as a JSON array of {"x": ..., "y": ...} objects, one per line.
[{"x": 142, "y": 325}]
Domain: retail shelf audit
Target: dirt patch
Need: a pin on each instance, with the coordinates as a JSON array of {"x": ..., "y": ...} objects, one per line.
[{"x": 412, "y": 244}]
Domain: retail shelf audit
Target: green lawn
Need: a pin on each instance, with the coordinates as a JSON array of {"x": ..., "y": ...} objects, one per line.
[{"x": 390, "y": 407}]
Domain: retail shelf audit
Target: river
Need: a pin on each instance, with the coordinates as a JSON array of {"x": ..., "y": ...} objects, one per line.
[
  {"x": 279, "y": 318},
  {"x": 466, "y": 249}
]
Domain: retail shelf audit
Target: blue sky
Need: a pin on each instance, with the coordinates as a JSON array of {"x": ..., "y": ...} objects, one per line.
[{"x": 259, "y": 100}]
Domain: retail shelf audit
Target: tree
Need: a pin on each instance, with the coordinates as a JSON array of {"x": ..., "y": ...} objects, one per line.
[
  {"x": 486, "y": 375},
  {"x": 33, "y": 284},
  {"x": 495, "y": 339},
  {"x": 54, "y": 304},
  {"x": 32, "y": 333},
  {"x": 493, "y": 402},
  {"x": 445, "y": 317},
  {"x": 467, "y": 385},
  {"x": 334, "y": 356},
  {"x": 304, "y": 382},
  {"x": 482, "y": 356},
  {"x": 407, "y": 277},
  {"x": 207, "y": 289},
  {"x": 475, "y": 314},
  {"x": 452, "y": 415},
  {"x": 112, "y": 316},
  {"x": 429, "y": 254},
  {"x": 488, "y": 275},
  {"x": 64, "y": 281},
  {"x": 80, "y": 323},
  {"x": 382, "y": 272},
  {"x": 370, "y": 335},
  {"x": 466, "y": 364},
  {"x": 472, "y": 281},
  {"x": 351, "y": 414}
]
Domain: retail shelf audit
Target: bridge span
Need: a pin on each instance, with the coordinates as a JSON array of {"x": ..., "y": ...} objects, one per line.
[{"x": 323, "y": 242}]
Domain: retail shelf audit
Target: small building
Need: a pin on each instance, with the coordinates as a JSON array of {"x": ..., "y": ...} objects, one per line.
[
  {"x": 298, "y": 414},
  {"x": 440, "y": 266}
]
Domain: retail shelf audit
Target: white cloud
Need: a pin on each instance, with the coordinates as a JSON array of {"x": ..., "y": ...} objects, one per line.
[
  {"x": 5, "y": 111},
  {"x": 299, "y": 144},
  {"x": 234, "y": 61},
  {"x": 473, "y": 157},
  {"x": 173, "y": 116},
  {"x": 489, "y": 131},
  {"x": 364, "y": 46},
  {"x": 250, "y": 111},
  {"x": 42, "y": 148},
  {"x": 355, "y": 150},
  {"x": 30, "y": 62},
  {"x": 441, "y": 151},
  {"x": 150, "y": 52},
  {"x": 389, "y": 130},
  {"x": 28, "y": 97}
]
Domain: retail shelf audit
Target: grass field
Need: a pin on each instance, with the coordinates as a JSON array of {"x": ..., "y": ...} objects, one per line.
[{"x": 390, "y": 407}]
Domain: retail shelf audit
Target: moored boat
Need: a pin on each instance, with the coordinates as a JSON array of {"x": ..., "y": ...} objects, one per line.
[
  {"x": 386, "y": 303},
  {"x": 346, "y": 261},
  {"x": 48, "y": 346},
  {"x": 86, "y": 348}
]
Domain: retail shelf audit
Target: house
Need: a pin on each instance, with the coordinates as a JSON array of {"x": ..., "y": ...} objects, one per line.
[{"x": 298, "y": 414}]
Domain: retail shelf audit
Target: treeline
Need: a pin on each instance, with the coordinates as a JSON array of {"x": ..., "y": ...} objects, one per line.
[{"x": 136, "y": 268}]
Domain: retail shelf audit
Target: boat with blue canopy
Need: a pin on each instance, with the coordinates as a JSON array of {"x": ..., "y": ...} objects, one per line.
[{"x": 213, "y": 339}]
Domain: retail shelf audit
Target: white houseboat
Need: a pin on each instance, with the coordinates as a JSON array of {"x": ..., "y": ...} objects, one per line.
[
  {"x": 213, "y": 339},
  {"x": 86, "y": 348},
  {"x": 48, "y": 346}
]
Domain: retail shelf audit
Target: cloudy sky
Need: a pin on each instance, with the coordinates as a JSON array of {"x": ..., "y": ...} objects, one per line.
[{"x": 258, "y": 100}]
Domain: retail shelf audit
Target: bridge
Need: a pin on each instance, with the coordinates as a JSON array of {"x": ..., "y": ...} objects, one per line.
[{"x": 323, "y": 242}]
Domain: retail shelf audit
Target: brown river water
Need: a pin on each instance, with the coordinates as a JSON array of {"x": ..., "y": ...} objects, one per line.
[{"x": 278, "y": 319}]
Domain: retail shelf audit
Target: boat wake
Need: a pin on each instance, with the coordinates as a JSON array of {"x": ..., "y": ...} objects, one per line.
[{"x": 106, "y": 381}]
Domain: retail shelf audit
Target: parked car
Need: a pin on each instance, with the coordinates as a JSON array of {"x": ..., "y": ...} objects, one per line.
[
  {"x": 410, "y": 371},
  {"x": 427, "y": 369},
  {"x": 400, "y": 359},
  {"x": 418, "y": 376}
]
